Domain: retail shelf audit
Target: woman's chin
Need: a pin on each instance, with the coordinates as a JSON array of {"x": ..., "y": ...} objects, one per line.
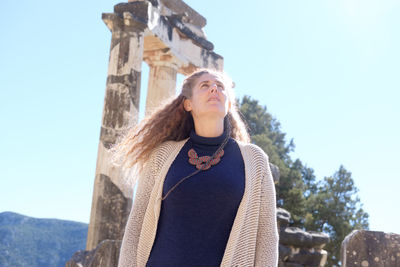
[{"x": 217, "y": 113}]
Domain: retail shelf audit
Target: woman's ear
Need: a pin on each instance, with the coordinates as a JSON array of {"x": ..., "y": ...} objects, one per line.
[{"x": 187, "y": 105}]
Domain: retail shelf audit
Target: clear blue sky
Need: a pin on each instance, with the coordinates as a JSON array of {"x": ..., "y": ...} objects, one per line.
[{"x": 327, "y": 70}]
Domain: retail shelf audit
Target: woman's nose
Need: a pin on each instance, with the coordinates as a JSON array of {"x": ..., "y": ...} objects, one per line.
[{"x": 214, "y": 87}]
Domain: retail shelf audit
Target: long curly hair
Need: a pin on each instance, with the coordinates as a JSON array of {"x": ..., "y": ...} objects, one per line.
[{"x": 171, "y": 122}]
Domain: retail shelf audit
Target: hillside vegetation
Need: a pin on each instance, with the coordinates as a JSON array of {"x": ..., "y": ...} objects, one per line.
[{"x": 26, "y": 241}]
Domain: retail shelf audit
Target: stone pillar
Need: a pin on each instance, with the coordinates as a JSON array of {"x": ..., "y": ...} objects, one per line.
[
  {"x": 112, "y": 197},
  {"x": 162, "y": 78}
]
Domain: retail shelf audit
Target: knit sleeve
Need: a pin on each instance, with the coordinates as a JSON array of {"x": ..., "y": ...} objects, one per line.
[
  {"x": 267, "y": 235},
  {"x": 128, "y": 252}
]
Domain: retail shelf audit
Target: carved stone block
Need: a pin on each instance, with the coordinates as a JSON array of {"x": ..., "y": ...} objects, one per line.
[{"x": 371, "y": 249}]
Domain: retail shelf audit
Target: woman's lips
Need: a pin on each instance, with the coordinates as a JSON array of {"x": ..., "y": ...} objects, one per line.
[{"x": 213, "y": 99}]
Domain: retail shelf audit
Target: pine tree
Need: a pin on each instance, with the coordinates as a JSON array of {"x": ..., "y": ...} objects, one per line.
[{"x": 335, "y": 209}]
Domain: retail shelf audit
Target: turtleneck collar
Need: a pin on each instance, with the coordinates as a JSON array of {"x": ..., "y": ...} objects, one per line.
[{"x": 201, "y": 140}]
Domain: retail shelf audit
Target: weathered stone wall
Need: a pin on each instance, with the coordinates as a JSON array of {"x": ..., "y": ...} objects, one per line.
[{"x": 364, "y": 248}]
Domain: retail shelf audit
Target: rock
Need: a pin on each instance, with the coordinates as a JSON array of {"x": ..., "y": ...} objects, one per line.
[
  {"x": 319, "y": 239},
  {"x": 308, "y": 257},
  {"x": 106, "y": 254},
  {"x": 370, "y": 249},
  {"x": 80, "y": 258},
  {"x": 283, "y": 217},
  {"x": 284, "y": 252},
  {"x": 295, "y": 236}
]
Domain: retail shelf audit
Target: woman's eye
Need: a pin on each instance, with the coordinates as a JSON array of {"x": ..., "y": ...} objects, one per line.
[{"x": 207, "y": 86}]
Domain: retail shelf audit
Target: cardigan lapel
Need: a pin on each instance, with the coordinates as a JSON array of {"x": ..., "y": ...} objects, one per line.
[
  {"x": 240, "y": 249},
  {"x": 239, "y": 218}
]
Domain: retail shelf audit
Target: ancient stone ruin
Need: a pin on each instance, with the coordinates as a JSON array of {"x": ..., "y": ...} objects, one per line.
[
  {"x": 298, "y": 248},
  {"x": 370, "y": 249}
]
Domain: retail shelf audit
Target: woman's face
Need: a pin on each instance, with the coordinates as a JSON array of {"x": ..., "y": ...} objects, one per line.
[{"x": 209, "y": 97}]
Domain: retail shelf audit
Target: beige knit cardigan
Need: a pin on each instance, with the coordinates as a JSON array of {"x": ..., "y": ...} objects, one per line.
[{"x": 253, "y": 240}]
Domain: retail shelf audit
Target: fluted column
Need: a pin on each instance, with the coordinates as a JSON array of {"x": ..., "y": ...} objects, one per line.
[
  {"x": 112, "y": 197},
  {"x": 162, "y": 78}
]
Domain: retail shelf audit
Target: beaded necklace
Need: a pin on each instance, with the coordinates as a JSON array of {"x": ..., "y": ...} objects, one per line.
[{"x": 216, "y": 157}]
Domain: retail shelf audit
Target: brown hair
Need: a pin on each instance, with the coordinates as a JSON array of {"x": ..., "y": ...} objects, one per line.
[{"x": 172, "y": 122}]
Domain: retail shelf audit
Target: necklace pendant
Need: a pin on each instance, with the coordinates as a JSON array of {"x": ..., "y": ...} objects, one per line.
[{"x": 200, "y": 162}]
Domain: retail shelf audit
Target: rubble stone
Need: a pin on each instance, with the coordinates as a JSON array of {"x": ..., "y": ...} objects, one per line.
[{"x": 283, "y": 217}]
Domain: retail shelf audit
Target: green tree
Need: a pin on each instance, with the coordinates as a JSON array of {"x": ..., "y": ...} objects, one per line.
[
  {"x": 266, "y": 133},
  {"x": 336, "y": 209},
  {"x": 330, "y": 205}
]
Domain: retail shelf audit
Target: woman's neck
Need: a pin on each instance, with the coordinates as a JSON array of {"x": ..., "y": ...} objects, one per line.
[{"x": 209, "y": 128}]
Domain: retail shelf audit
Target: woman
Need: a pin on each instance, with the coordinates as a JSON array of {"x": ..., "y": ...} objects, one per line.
[{"x": 205, "y": 196}]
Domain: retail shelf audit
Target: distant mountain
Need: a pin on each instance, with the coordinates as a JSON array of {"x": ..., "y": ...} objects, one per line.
[{"x": 26, "y": 241}]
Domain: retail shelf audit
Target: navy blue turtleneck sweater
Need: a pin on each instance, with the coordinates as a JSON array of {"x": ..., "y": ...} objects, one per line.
[{"x": 196, "y": 218}]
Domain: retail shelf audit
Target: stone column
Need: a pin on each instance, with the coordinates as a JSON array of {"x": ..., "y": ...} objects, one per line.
[
  {"x": 162, "y": 78},
  {"x": 112, "y": 197}
]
